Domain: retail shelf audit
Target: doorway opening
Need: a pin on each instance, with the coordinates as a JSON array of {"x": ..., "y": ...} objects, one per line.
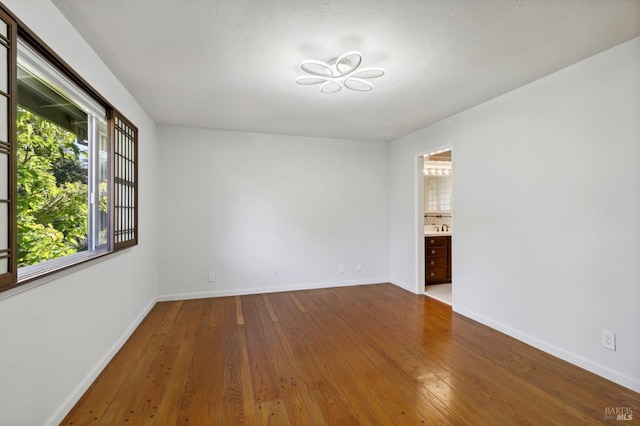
[{"x": 437, "y": 211}]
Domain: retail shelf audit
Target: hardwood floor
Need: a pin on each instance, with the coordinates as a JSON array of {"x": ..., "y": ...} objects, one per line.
[{"x": 373, "y": 355}]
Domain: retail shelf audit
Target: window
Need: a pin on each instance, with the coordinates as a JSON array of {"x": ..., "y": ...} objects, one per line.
[
  {"x": 61, "y": 159},
  {"x": 68, "y": 164},
  {"x": 437, "y": 181},
  {"x": 437, "y": 193}
]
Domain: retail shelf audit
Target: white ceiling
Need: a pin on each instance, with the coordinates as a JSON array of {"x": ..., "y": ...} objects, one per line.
[{"x": 232, "y": 64}]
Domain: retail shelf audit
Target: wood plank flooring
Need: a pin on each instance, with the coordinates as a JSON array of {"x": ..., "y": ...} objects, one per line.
[{"x": 371, "y": 355}]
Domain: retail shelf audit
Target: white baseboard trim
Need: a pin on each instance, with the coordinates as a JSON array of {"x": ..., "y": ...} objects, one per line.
[
  {"x": 77, "y": 393},
  {"x": 589, "y": 365},
  {"x": 405, "y": 286},
  {"x": 260, "y": 290}
]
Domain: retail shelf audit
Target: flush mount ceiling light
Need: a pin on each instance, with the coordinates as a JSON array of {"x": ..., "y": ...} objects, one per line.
[{"x": 335, "y": 74}]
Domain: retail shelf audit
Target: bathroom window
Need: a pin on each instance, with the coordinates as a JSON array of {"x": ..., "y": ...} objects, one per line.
[{"x": 437, "y": 193}]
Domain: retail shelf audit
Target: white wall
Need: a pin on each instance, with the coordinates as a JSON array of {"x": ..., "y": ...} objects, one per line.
[
  {"x": 546, "y": 211},
  {"x": 245, "y": 205},
  {"x": 55, "y": 338}
]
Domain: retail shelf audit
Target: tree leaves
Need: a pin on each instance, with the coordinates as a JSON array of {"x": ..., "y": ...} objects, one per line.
[{"x": 52, "y": 191}]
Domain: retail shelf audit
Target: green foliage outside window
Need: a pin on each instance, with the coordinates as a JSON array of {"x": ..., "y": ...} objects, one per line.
[{"x": 52, "y": 191}]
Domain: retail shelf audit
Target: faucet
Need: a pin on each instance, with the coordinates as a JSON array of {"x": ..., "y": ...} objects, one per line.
[{"x": 443, "y": 225}]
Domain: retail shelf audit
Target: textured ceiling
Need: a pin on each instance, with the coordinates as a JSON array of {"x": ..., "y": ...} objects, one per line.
[{"x": 232, "y": 64}]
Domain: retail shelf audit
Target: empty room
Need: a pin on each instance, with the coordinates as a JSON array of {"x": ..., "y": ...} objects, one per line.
[{"x": 319, "y": 212}]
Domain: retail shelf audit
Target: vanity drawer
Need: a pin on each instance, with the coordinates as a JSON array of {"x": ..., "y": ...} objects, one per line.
[
  {"x": 436, "y": 251},
  {"x": 437, "y": 241},
  {"x": 436, "y": 262},
  {"x": 436, "y": 274}
]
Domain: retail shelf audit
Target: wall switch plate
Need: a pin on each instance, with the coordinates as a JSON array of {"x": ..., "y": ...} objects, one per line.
[
  {"x": 609, "y": 339},
  {"x": 342, "y": 269},
  {"x": 212, "y": 277}
]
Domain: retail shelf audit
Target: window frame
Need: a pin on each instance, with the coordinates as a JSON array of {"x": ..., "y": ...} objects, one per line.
[
  {"x": 10, "y": 279},
  {"x": 120, "y": 129}
]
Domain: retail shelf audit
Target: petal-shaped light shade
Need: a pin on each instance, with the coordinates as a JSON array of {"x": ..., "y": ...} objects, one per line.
[
  {"x": 331, "y": 87},
  {"x": 343, "y": 72},
  {"x": 318, "y": 68},
  {"x": 357, "y": 84},
  {"x": 308, "y": 80},
  {"x": 348, "y": 62},
  {"x": 373, "y": 72}
]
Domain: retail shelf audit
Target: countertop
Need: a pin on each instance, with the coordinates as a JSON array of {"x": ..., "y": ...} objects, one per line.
[{"x": 437, "y": 234}]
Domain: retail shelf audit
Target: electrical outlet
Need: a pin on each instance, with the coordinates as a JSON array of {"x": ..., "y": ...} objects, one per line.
[
  {"x": 609, "y": 339},
  {"x": 359, "y": 267},
  {"x": 342, "y": 269},
  {"x": 212, "y": 277}
]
